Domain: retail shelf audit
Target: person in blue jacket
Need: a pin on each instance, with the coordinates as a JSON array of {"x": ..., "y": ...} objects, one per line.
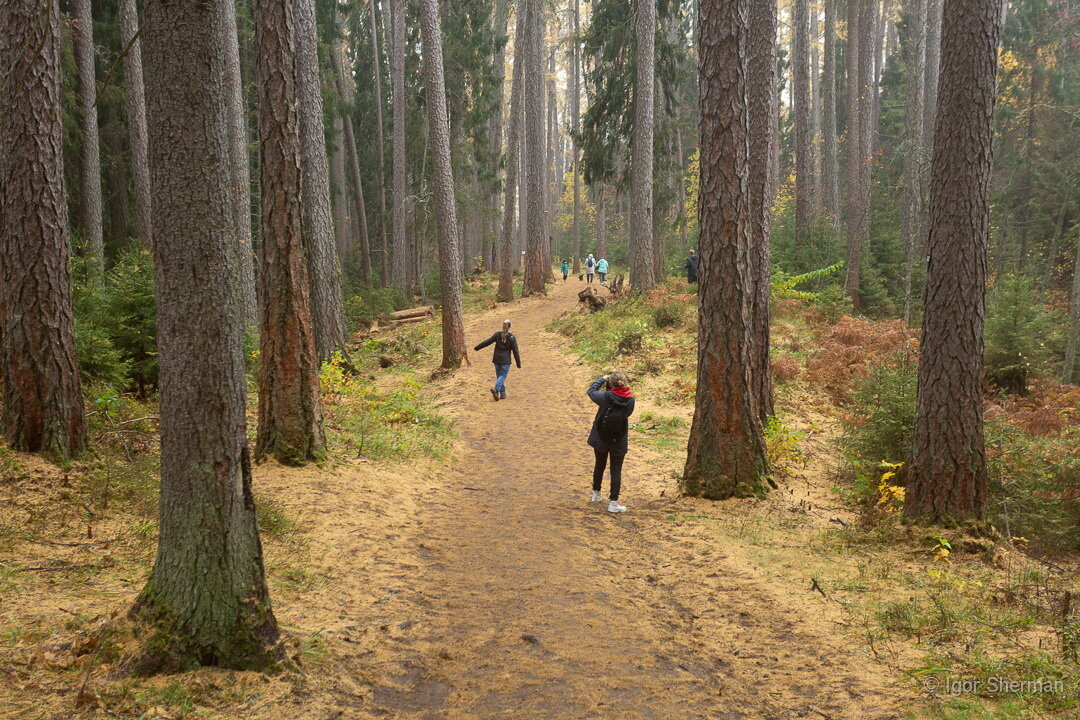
[
  {"x": 608, "y": 434},
  {"x": 505, "y": 343},
  {"x": 565, "y": 269},
  {"x": 601, "y": 269}
]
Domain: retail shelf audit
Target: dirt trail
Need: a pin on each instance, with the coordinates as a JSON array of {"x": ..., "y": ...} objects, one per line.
[{"x": 501, "y": 592}]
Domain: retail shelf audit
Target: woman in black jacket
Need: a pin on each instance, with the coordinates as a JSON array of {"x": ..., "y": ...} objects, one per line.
[
  {"x": 608, "y": 434},
  {"x": 505, "y": 343}
]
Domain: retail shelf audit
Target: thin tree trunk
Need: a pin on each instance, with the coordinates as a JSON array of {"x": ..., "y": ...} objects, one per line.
[
  {"x": 115, "y": 176},
  {"x": 384, "y": 248},
  {"x": 43, "y": 405},
  {"x": 815, "y": 116},
  {"x": 342, "y": 216},
  {"x": 400, "y": 260},
  {"x": 453, "y": 328},
  {"x": 493, "y": 227},
  {"x": 508, "y": 257},
  {"x": 207, "y": 592},
  {"x": 859, "y": 71},
  {"x": 90, "y": 203},
  {"x": 240, "y": 171},
  {"x": 135, "y": 106},
  {"x": 761, "y": 103},
  {"x": 290, "y": 417},
  {"x": 642, "y": 271},
  {"x": 353, "y": 166},
  {"x": 947, "y": 480},
  {"x": 830, "y": 162},
  {"x": 914, "y": 47},
  {"x": 601, "y": 221},
  {"x": 1070, "y": 372},
  {"x": 575, "y": 126},
  {"x": 726, "y": 451},
  {"x": 800, "y": 91},
  {"x": 324, "y": 273},
  {"x": 533, "y": 77}
]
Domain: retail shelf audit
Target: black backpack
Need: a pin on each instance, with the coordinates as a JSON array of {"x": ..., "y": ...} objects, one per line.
[{"x": 613, "y": 423}]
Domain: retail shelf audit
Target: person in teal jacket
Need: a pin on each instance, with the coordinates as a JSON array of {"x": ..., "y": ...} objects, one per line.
[
  {"x": 565, "y": 269},
  {"x": 601, "y": 269}
]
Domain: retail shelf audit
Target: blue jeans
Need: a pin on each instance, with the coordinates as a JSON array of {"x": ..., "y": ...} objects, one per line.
[{"x": 501, "y": 371}]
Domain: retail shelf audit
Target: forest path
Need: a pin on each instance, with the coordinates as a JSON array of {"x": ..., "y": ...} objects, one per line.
[{"x": 516, "y": 597}]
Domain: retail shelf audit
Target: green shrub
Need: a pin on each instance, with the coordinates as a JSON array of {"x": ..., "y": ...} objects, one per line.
[
  {"x": 1018, "y": 334},
  {"x": 669, "y": 314}
]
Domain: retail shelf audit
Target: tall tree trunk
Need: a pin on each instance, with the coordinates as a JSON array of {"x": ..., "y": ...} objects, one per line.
[
  {"x": 492, "y": 227},
  {"x": 90, "y": 204},
  {"x": 947, "y": 479},
  {"x": 934, "y": 10},
  {"x": 601, "y": 221},
  {"x": 642, "y": 271},
  {"x": 830, "y": 162},
  {"x": 815, "y": 115},
  {"x": 114, "y": 172},
  {"x": 43, "y": 406},
  {"x": 240, "y": 171},
  {"x": 859, "y": 71},
  {"x": 453, "y": 328},
  {"x": 726, "y": 451},
  {"x": 290, "y": 417},
  {"x": 207, "y": 590},
  {"x": 340, "y": 187},
  {"x": 135, "y": 106},
  {"x": 800, "y": 92},
  {"x": 761, "y": 103},
  {"x": 507, "y": 257},
  {"x": 400, "y": 260},
  {"x": 914, "y": 48},
  {"x": 533, "y": 76},
  {"x": 352, "y": 161},
  {"x": 324, "y": 273},
  {"x": 877, "y": 40},
  {"x": 1070, "y": 373},
  {"x": 384, "y": 247},
  {"x": 575, "y": 126}
]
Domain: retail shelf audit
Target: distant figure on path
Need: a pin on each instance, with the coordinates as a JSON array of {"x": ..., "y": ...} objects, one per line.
[
  {"x": 505, "y": 343},
  {"x": 608, "y": 434},
  {"x": 565, "y": 269},
  {"x": 601, "y": 269},
  {"x": 590, "y": 268},
  {"x": 691, "y": 268}
]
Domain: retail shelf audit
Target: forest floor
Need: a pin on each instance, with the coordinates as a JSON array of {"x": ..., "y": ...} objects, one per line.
[{"x": 489, "y": 586}]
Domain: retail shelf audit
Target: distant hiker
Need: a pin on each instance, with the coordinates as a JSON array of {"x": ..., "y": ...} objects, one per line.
[
  {"x": 590, "y": 267},
  {"x": 601, "y": 269},
  {"x": 608, "y": 434},
  {"x": 505, "y": 343},
  {"x": 691, "y": 268},
  {"x": 565, "y": 269}
]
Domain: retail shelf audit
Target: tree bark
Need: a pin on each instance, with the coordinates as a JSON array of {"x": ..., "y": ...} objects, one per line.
[
  {"x": 947, "y": 479},
  {"x": 353, "y": 164},
  {"x": 90, "y": 203},
  {"x": 533, "y": 78},
  {"x": 575, "y": 125},
  {"x": 207, "y": 591},
  {"x": 240, "y": 170},
  {"x": 453, "y": 328},
  {"x": 384, "y": 247},
  {"x": 135, "y": 105},
  {"x": 726, "y": 451},
  {"x": 507, "y": 257},
  {"x": 642, "y": 270},
  {"x": 43, "y": 406},
  {"x": 914, "y": 47},
  {"x": 492, "y": 226},
  {"x": 859, "y": 71},
  {"x": 815, "y": 116},
  {"x": 1070, "y": 372},
  {"x": 324, "y": 273},
  {"x": 401, "y": 262},
  {"x": 800, "y": 92},
  {"x": 830, "y": 163},
  {"x": 761, "y": 104},
  {"x": 290, "y": 417}
]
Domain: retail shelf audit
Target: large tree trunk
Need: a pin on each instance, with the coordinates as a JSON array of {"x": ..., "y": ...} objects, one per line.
[
  {"x": 453, "y": 328},
  {"x": 135, "y": 105},
  {"x": 913, "y": 40},
  {"x": 290, "y": 417},
  {"x": 860, "y": 68},
  {"x": 400, "y": 260},
  {"x": 934, "y": 10},
  {"x": 533, "y": 76},
  {"x": 90, "y": 204},
  {"x": 761, "y": 103},
  {"x": 492, "y": 226},
  {"x": 324, "y": 273},
  {"x": 507, "y": 257},
  {"x": 815, "y": 115},
  {"x": 642, "y": 270},
  {"x": 384, "y": 246},
  {"x": 830, "y": 163},
  {"x": 43, "y": 406},
  {"x": 240, "y": 170},
  {"x": 947, "y": 479},
  {"x": 800, "y": 93},
  {"x": 207, "y": 591},
  {"x": 726, "y": 451}
]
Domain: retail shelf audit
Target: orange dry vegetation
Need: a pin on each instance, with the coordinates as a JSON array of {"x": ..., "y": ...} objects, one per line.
[
  {"x": 1048, "y": 410},
  {"x": 850, "y": 346}
]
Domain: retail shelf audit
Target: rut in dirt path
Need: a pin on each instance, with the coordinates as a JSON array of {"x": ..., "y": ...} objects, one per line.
[{"x": 535, "y": 603}]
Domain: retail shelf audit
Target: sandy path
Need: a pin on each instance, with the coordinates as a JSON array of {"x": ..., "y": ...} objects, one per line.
[{"x": 494, "y": 589}]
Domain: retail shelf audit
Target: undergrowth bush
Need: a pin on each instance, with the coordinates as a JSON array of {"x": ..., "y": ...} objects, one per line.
[{"x": 1018, "y": 334}]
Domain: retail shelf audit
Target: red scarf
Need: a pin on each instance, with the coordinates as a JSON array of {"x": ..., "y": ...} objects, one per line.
[{"x": 623, "y": 392}]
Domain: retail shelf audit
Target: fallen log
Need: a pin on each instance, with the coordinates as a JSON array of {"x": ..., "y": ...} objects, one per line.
[
  {"x": 423, "y": 311},
  {"x": 591, "y": 300},
  {"x": 410, "y": 320}
]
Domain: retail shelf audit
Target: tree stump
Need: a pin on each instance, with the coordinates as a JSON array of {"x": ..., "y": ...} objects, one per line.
[{"x": 591, "y": 300}]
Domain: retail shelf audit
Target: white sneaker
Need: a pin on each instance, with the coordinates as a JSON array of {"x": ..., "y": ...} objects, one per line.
[
  {"x": 615, "y": 507},
  {"x": 596, "y": 496}
]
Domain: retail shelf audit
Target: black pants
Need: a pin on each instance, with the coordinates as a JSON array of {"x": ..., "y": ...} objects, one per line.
[{"x": 616, "y": 472}]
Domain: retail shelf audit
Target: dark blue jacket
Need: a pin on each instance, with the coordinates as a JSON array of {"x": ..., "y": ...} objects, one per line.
[
  {"x": 603, "y": 398},
  {"x": 502, "y": 349},
  {"x": 691, "y": 268}
]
